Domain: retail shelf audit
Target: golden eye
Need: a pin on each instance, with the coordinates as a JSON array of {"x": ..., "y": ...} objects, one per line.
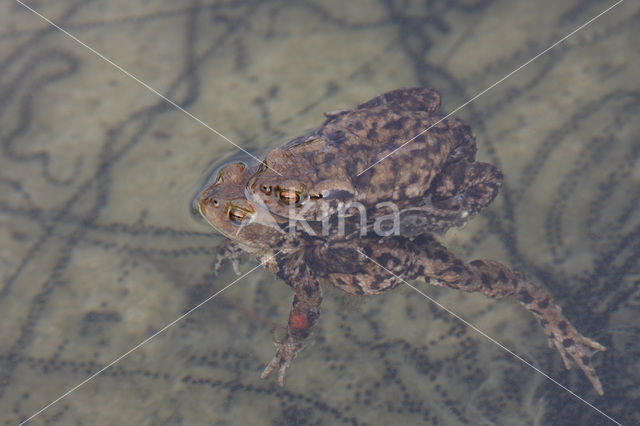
[
  {"x": 289, "y": 197},
  {"x": 237, "y": 215}
]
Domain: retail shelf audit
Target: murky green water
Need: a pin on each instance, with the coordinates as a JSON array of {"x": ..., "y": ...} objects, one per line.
[{"x": 100, "y": 251}]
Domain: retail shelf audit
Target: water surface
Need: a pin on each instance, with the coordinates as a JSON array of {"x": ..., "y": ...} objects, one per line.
[{"x": 99, "y": 249}]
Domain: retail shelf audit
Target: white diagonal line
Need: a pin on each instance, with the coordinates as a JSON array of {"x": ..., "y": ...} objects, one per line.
[
  {"x": 145, "y": 341},
  {"x": 128, "y": 74},
  {"x": 497, "y": 82},
  {"x": 468, "y": 324}
]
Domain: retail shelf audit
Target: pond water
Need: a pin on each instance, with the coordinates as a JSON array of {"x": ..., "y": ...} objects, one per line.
[{"x": 100, "y": 250}]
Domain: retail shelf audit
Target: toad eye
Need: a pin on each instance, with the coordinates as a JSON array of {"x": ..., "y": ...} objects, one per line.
[
  {"x": 216, "y": 203},
  {"x": 237, "y": 215},
  {"x": 289, "y": 197},
  {"x": 265, "y": 189}
]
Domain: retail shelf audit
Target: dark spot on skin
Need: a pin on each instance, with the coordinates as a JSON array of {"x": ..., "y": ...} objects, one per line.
[
  {"x": 372, "y": 134},
  {"x": 386, "y": 186},
  {"x": 328, "y": 158},
  {"x": 486, "y": 280},
  {"x": 526, "y": 297},
  {"x": 396, "y": 167},
  {"x": 309, "y": 290},
  {"x": 380, "y": 279},
  {"x": 544, "y": 323},
  {"x": 337, "y": 136},
  {"x": 352, "y": 168},
  {"x": 543, "y": 304},
  {"x": 357, "y": 125},
  {"x": 312, "y": 316},
  {"x": 300, "y": 333},
  {"x": 423, "y": 153},
  {"x": 387, "y": 260},
  {"x": 394, "y": 124},
  {"x": 585, "y": 360},
  {"x": 458, "y": 177},
  {"x": 420, "y": 138},
  {"x": 480, "y": 192},
  {"x": 562, "y": 325},
  {"x": 414, "y": 177},
  {"x": 440, "y": 129},
  {"x": 476, "y": 263},
  {"x": 394, "y": 96},
  {"x": 458, "y": 269},
  {"x": 422, "y": 239},
  {"x": 567, "y": 342},
  {"x": 502, "y": 277},
  {"x": 441, "y": 255}
]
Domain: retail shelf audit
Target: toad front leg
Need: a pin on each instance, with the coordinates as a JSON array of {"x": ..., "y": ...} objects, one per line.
[
  {"x": 228, "y": 251},
  {"x": 432, "y": 262},
  {"x": 303, "y": 315}
]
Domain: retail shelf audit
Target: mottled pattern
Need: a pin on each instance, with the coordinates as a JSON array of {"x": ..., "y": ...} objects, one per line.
[
  {"x": 98, "y": 249},
  {"x": 329, "y": 168}
]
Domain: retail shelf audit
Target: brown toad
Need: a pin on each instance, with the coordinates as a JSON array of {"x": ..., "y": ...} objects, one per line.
[
  {"x": 301, "y": 260},
  {"x": 435, "y": 174}
]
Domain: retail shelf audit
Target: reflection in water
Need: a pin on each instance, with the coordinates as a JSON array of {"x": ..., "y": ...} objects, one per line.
[{"x": 99, "y": 249}]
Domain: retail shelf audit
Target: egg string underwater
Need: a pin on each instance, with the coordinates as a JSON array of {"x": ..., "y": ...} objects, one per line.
[
  {"x": 142, "y": 343},
  {"x": 256, "y": 267},
  {"x": 145, "y": 85}
]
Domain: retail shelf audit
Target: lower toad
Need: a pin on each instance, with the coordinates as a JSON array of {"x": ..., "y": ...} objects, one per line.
[{"x": 302, "y": 260}]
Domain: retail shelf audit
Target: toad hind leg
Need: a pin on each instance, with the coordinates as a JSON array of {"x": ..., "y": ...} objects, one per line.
[
  {"x": 304, "y": 314},
  {"x": 495, "y": 280},
  {"x": 499, "y": 281}
]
